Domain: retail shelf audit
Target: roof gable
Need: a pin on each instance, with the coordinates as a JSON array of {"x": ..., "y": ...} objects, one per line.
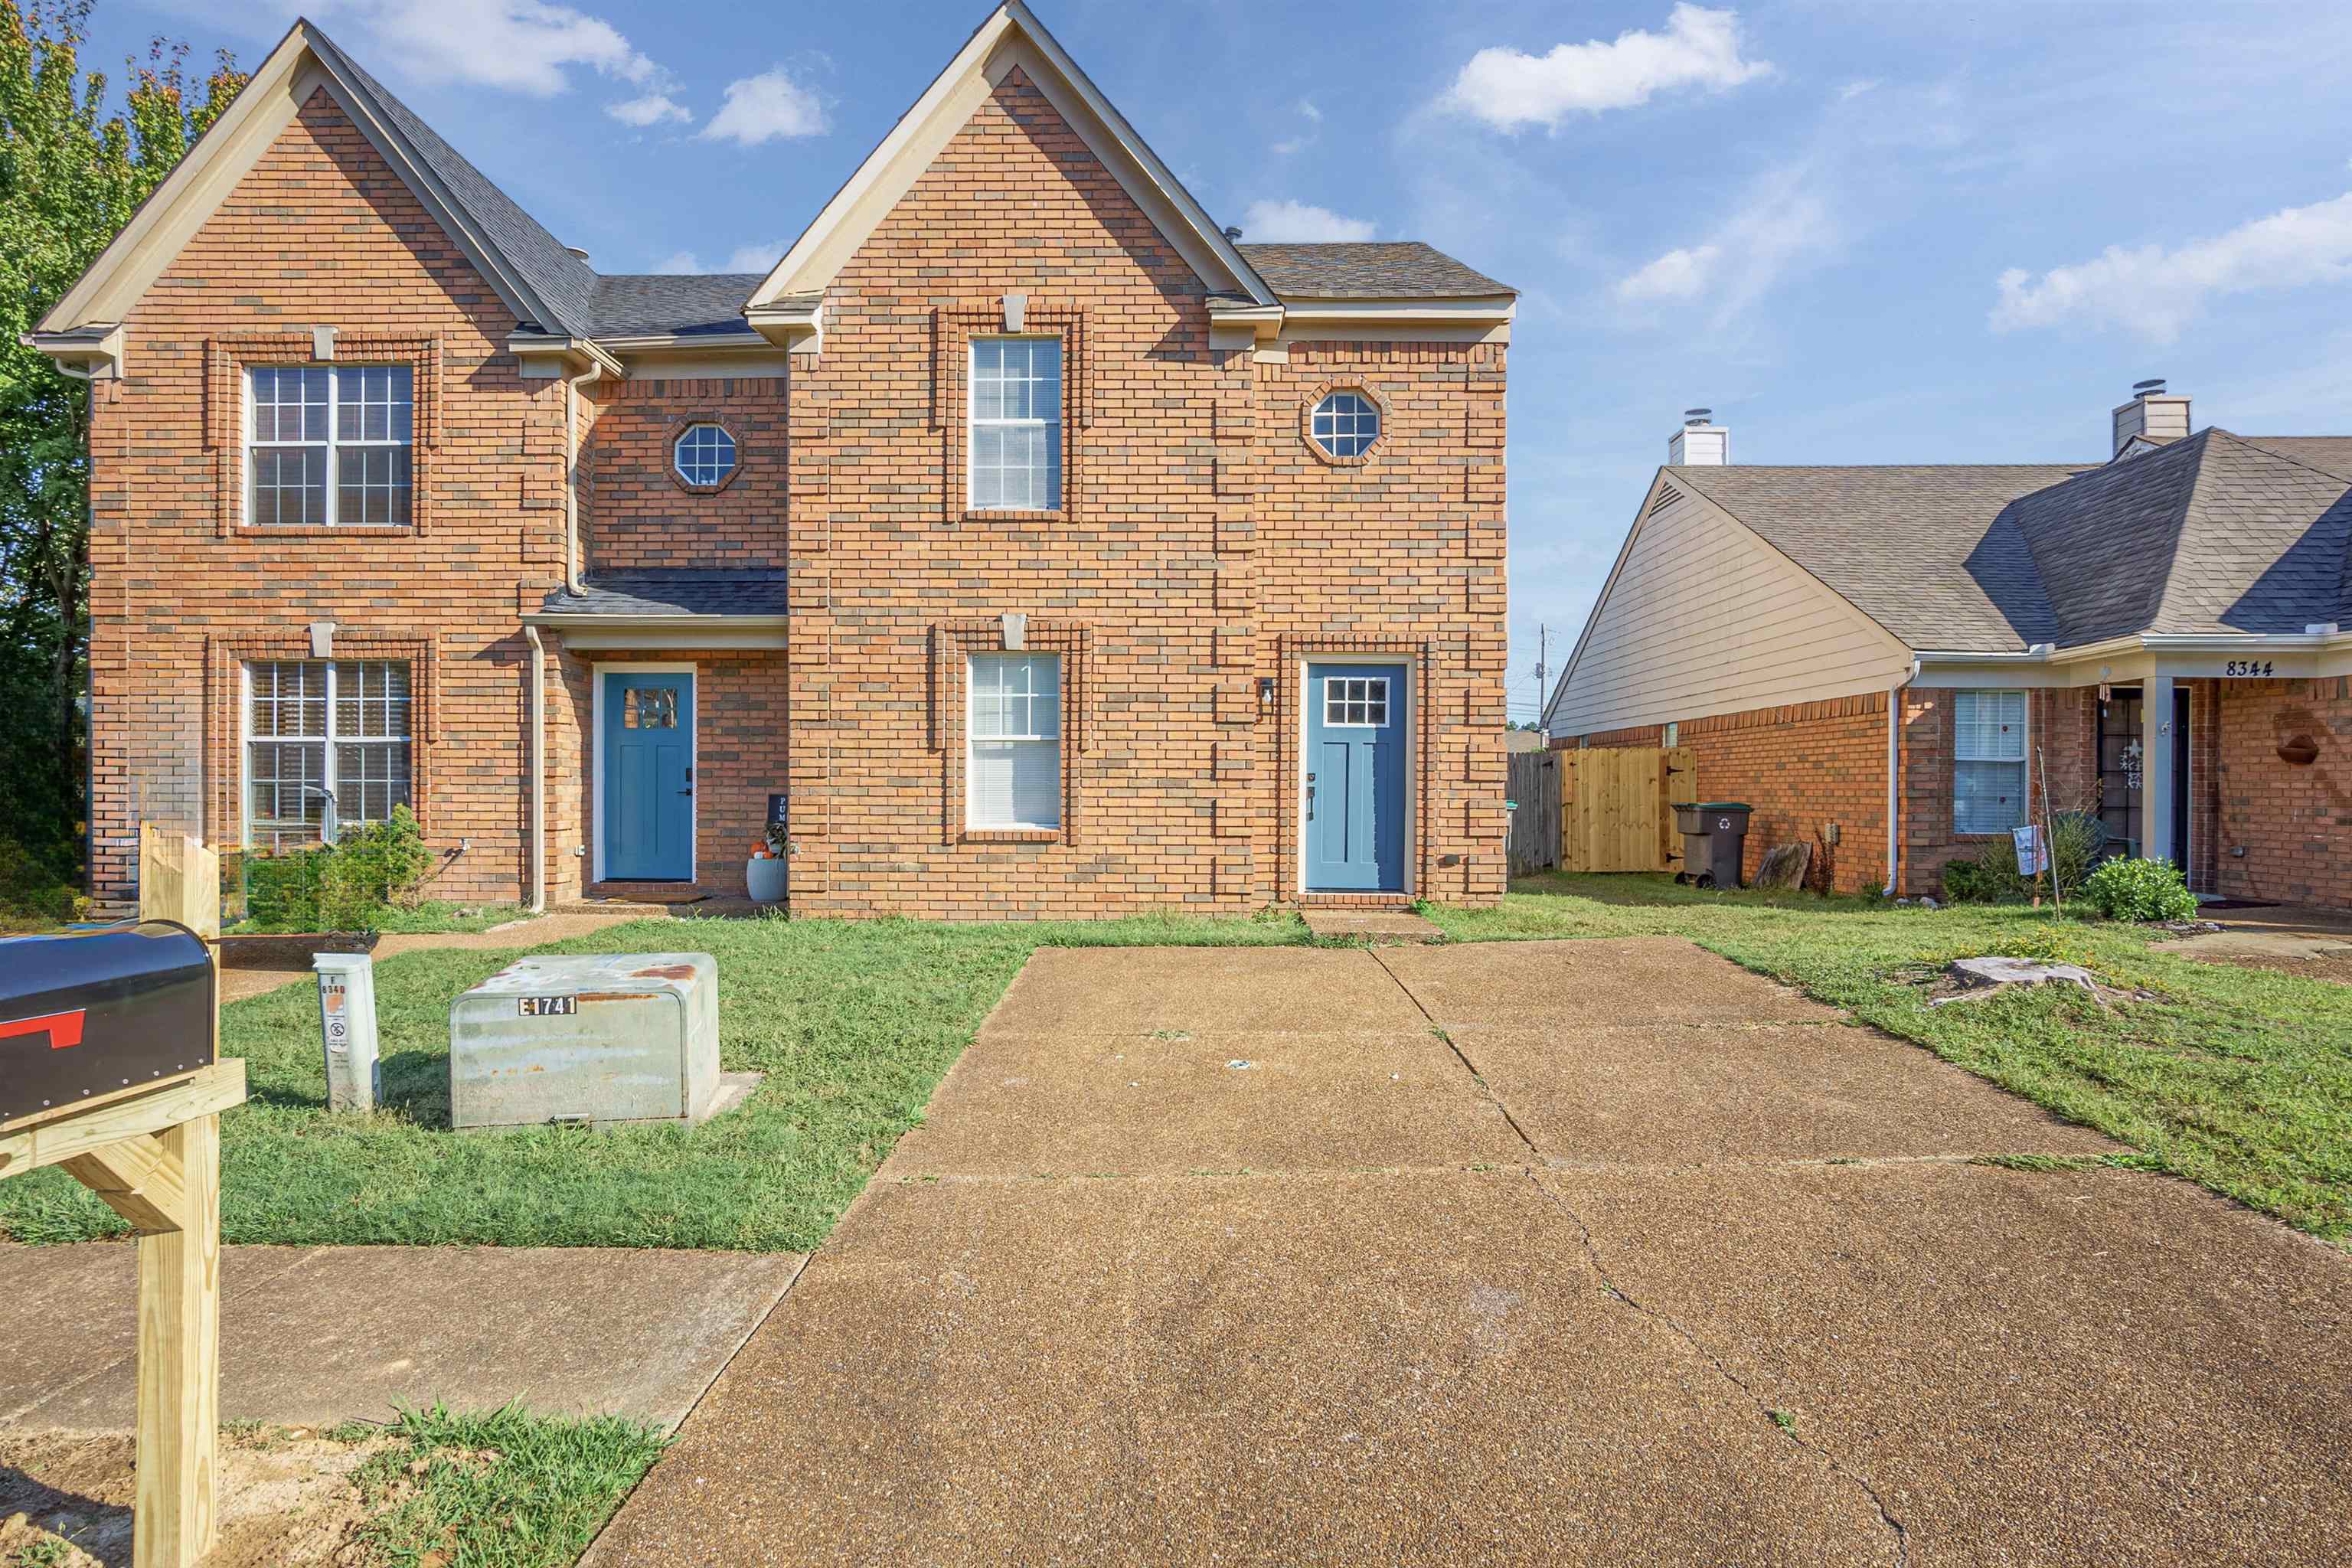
[
  {"x": 1010, "y": 38},
  {"x": 531, "y": 270}
]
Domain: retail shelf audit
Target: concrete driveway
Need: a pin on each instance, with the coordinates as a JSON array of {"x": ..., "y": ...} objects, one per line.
[{"x": 1599, "y": 1252}]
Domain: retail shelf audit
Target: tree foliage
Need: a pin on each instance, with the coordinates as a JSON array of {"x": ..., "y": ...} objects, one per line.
[{"x": 73, "y": 169}]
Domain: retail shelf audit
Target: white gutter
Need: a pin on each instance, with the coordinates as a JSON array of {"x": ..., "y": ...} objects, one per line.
[
  {"x": 537, "y": 770},
  {"x": 1894, "y": 779},
  {"x": 571, "y": 384},
  {"x": 2314, "y": 637}
]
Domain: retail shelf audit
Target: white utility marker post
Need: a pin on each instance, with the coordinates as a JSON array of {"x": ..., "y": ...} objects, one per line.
[
  {"x": 2155, "y": 743},
  {"x": 347, "y": 1027}
]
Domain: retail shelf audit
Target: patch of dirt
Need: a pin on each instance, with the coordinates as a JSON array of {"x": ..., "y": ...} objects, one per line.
[
  {"x": 2330, "y": 966},
  {"x": 286, "y": 1498}
]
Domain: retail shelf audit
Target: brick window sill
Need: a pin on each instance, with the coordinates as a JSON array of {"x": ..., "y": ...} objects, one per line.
[
  {"x": 314, "y": 530},
  {"x": 1011, "y": 836},
  {"x": 1001, "y": 514}
]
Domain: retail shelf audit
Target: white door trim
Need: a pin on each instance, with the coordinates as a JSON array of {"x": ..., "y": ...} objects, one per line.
[
  {"x": 1404, "y": 662},
  {"x": 597, "y": 673}
]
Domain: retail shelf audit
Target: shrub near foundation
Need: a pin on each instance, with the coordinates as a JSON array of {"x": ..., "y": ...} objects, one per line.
[
  {"x": 2140, "y": 890},
  {"x": 346, "y": 886}
]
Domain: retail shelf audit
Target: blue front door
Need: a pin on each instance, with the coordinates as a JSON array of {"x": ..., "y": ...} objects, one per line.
[
  {"x": 648, "y": 760},
  {"x": 1355, "y": 778}
]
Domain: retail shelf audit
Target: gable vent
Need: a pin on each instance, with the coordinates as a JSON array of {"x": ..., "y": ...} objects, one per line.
[{"x": 1667, "y": 496}]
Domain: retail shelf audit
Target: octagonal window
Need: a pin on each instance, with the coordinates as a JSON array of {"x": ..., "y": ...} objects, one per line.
[
  {"x": 705, "y": 455},
  {"x": 1346, "y": 423}
]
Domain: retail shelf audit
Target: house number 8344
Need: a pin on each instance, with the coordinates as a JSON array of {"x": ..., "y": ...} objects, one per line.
[{"x": 2260, "y": 668}]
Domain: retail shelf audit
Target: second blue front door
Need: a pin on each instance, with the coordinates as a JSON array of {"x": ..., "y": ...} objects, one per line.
[
  {"x": 1355, "y": 778},
  {"x": 646, "y": 757}
]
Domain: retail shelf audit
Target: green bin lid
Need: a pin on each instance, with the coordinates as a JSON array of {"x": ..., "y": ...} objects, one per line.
[{"x": 1720, "y": 806}]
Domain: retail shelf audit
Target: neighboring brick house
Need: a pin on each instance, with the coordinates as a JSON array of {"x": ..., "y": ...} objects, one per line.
[
  {"x": 2159, "y": 637},
  {"x": 1029, "y": 544}
]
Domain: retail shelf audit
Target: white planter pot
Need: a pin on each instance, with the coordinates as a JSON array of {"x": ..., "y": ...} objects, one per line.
[{"x": 765, "y": 879}]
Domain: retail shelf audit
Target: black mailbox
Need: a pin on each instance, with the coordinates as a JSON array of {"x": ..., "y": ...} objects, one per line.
[{"x": 92, "y": 1013}]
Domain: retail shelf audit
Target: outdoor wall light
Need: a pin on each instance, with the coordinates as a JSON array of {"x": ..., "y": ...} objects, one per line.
[{"x": 1265, "y": 692}]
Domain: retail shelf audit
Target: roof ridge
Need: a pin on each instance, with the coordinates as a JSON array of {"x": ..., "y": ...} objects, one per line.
[{"x": 2255, "y": 442}]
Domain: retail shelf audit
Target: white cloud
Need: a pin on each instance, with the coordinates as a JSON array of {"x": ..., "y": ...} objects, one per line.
[
  {"x": 756, "y": 257},
  {"x": 765, "y": 107},
  {"x": 761, "y": 258},
  {"x": 1307, "y": 138},
  {"x": 1677, "y": 275},
  {"x": 2155, "y": 292},
  {"x": 1784, "y": 222},
  {"x": 1296, "y": 221},
  {"x": 652, "y": 109},
  {"x": 519, "y": 46},
  {"x": 1511, "y": 91},
  {"x": 1855, "y": 90}
]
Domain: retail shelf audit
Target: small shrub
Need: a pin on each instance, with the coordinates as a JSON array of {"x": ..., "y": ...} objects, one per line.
[
  {"x": 341, "y": 887},
  {"x": 2077, "y": 838},
  {"x": 34, "y": 887},
  {"x": 2140, "y": 890}
]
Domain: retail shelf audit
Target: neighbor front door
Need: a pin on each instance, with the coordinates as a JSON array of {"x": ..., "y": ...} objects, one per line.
[
  {"x": 647, "y": 754},
  {"x": 1354, "y": 778}
]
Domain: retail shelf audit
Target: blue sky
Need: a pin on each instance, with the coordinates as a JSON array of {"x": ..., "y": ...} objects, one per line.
[{"x": 1859, "y": 232}]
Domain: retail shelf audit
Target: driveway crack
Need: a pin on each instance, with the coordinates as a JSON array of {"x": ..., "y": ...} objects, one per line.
[
  {"x": 1902, "y": 1536},
  {"x": 1476, "y": 1077}
]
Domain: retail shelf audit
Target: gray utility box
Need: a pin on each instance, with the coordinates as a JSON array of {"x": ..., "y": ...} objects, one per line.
[{"x": 598, "y": 1039}]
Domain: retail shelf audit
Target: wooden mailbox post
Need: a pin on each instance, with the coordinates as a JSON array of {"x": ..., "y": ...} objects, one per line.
[{"x": 153, "y": 1152}]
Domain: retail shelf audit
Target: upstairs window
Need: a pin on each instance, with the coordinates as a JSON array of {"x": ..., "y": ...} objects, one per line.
[
  {"x": 1987, "y": 761},
  {"x": 316, "y": 730},
  {"x": 1346, "y": 423},
  {"x": 705, "y": 456},
  {"x": 1016, "y": 436},
  {"x": 329, "y": 446},
  {"x": 1013, "y": 765}
]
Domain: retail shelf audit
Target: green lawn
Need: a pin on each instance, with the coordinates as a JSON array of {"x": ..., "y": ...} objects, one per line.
[
  {"x": 434, "y": 915},
  {"x": 2238, "y": 1078},
  {"x": 853, "y": 1023}
]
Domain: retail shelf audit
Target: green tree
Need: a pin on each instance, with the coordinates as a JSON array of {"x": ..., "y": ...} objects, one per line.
[{"x": 71, "y": 174}]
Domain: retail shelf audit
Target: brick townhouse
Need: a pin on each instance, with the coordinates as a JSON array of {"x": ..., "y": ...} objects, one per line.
[
  {"x": 1894, "y": 663},
  {"x": 1023, "y": 540}
]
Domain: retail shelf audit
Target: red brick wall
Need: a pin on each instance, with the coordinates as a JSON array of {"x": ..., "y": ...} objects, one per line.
[
  {"x": 2293, "y": 823},
  {"x": 2062, "y": 737},
  {"x": 1803, "y": 767},
  {"x": 319, "y": 231},
  {"x": 1199, "y": 550},
  {"x": 641, "y": 516}
]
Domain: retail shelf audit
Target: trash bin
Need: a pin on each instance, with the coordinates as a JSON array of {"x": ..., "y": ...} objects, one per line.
[{"x": 1715, "y": 832}]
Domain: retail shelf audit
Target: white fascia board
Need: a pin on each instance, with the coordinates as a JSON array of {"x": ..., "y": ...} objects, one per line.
[
  {"x": 869, "y": 194},
  {"x": 794, "y": 321},
  {"x": 93, "y": 353},
  {"x": 588, "y": 631},
  {"x": 1488, "y": 310},
  {"x": 541, "y": 355}
]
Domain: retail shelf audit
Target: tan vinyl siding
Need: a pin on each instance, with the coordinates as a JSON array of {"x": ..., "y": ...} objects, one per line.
[{"x": 1704, "y": 618}]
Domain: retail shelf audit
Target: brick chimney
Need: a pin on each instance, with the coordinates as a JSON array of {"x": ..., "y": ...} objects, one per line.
[
  {"x": 2154, "y": 416},
  {"x": 1699, "y": 444}
]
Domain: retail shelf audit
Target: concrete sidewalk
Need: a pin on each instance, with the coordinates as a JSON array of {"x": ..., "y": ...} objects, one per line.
[
  {"x": 235, "y": 984},
  {"x": 317, "y": 1335},
  {"x": 1599, "y": 1252}
]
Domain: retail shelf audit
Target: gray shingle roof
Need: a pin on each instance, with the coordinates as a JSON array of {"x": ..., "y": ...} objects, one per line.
[
  {"x": 2214, "y": 533},
  {"x": 629, "y": 304},
  {"x": 561, "y": 278},
  {"x": 1924, "y": 552},
  {"x": 652, "y": 593},
  {"x": 1366, "y": 270}
]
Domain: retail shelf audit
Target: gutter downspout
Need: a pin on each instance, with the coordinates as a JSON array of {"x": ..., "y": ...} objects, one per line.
[
  {"x": 571, "y": 384},
  {"x": 537, "y": 770},
  {"x": 1894, "y": 779}
]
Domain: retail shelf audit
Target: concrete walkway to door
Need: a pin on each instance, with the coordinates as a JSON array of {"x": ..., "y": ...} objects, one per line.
[{"x": 1600, "y": 1252}]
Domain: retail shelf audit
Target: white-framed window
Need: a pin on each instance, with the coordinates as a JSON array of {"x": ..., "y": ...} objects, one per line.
[
  {"x": 313, "y": 727},
  {"x": 1012, "y": 769},
  {"x": 705, "y": 454},
  {"x": 1355, "y": 702},
  {"x": 329, "y": 446},
  {"x": 1016, "y": 436},
  {"x": 1987, "y": 761},
  {"x": 1346, "y": 423}
]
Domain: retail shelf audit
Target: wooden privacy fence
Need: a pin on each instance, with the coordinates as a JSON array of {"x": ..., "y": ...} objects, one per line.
[
  {"x": 1535, "y": 811},
  {"x": 1613, "y": 807}
]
